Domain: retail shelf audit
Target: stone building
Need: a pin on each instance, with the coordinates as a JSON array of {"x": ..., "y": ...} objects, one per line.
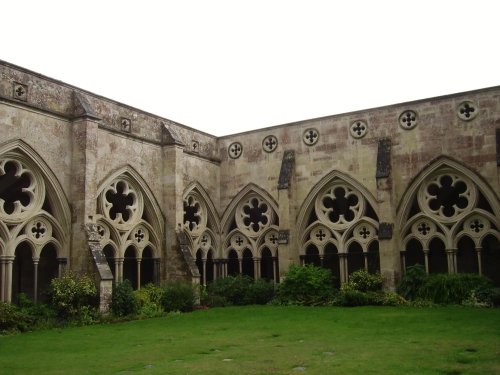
[{"x": 380, "y": 189}]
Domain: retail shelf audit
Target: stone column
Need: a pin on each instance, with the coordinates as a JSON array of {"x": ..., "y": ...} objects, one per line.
[
  {"x": 61, "y": 266},
  {"x": 2, "y": 278},
  {"x": 139, "y": 260},
  {"x": 365, "y": 255},
  {"x": 156, "y": 271},
  {"x": 35, "y": 279},
  {"x": 322, "y": 260},
  {"x": 344, "y": 271},
  {"x": 479, "y": 265},
  {"x": 119, "y": 270},
  {"x": 240, "y": 265},
  {"x": 9, "y": 260},
  {"x": 426, "y": 256},
  {"x": 204, "y": 262},
  {"x": 450, "y": 256},
  {"x": 83, "y": 183},
  {"x": 256, "y": 268}
]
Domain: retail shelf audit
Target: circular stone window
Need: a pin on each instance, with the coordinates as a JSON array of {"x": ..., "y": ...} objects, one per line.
[
  {"x": 358, "y": 129},
  {"x": 408, "y": 120},
  {"x": 235, "y": 150},
  {"x": 310, "y": 136},
  {"x": 270, "y": 143},
  {"x": 467, "y": 111}
]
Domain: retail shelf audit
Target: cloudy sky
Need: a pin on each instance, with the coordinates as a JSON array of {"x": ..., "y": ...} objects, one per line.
[{"x": 229, "y": 66}]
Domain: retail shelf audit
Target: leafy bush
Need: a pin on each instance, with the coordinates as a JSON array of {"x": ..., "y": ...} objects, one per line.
[
  {"x": 352, "y": 297},
  {"x": 231, "y": 290},
  {"x": 149, "y": 300},
  {"x": 72, "y": 295},
  {"x": 414, "y": 278},
  {"x": 12, "y": 319},
  {"x": 259, "y": 292},
  {"x": 451, "y": 288},
  {"x": 391, "y": 299},
  {"x": 40, "y": 315},
  {"x": 307, "y": 285},
  {"x": 363, "y": 281},
  {"x": 179, "y": 297},
  {"x": 123, "y": 300}
]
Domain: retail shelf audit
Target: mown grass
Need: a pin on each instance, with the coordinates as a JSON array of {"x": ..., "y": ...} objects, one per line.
[{"x": 270, "y": 340}]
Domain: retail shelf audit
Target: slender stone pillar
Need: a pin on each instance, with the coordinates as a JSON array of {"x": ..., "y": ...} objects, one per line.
[
  {"x": 35, "y": 279},
  {"x": 426, "y": 256},
  {"x": 119, "y": 273},
  {"x": 479, "y": 265},
  {"x": 61, "y": 266},
  {"x": 9, "y": 260},
  {"x": 204, "y": 261},
  {"x": 139, "y": 260},
  {"x": 2, "y": 278},
  {"x": 344, "y": 271},
  {"x": 365, "y": 255}
]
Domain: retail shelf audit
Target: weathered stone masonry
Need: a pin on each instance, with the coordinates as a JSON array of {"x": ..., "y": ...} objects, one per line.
[{"x": 379, "y": 189}]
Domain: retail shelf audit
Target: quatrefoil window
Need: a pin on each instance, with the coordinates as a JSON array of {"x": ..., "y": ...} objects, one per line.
[
  {"x": 192, "y": 213},
  {"x": 255, "y": 215},
  {"x": 408, "y": 120},
  {"x": 467, "y": 111},
  {"x": 310, "y": 136},
  {"x": 447, "y": 196},
  {"x": 358, "y": 129},
  {"x": 339, "y": 204},
  {"x": 38, "y": 230},
  {"x": 14, "y": 184},
  {"x": 235, "y": 150},
  {"x": 121, "y": 199},
  {"x": 20, "y": 91},
  {"x": 270, "y": 143}
]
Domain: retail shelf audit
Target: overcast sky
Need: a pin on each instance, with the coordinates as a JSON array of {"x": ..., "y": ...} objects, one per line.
[{"x": 229, "y": 66}]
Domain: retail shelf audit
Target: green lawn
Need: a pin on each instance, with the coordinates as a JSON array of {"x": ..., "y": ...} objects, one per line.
[{"x": 270, "y": 340}]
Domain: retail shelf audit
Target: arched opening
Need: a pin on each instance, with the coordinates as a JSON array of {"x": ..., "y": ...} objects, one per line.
[
  {"x": 109, "y": 253},
  {"x": 355, "y": 258},
  {"x": 312, "y": 256},
  {"x": 130, "y": 266},
  {"x": 147, "y": 267},
  {"x": 199, "y": 264},
  {"x": 414, "y": 253},
  {"x": 438, "y": 262},
  {"x": 47, "y": 270},
  {"x": 23, "y": 272},
  {"x": 331, "y": 262},
  {"x": 467, "y": 256},
  {"x": 490, "y": 259},
  {"x": 266, "y": 264},
  {"x": 210, "y": 266},
  {"x": 247, "y": 267},
  {"x": 373, "y": 258},
  {"x": 233, "y": 265}
]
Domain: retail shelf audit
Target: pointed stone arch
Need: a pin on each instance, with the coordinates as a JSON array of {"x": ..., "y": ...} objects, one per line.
[
  {"x": 445, "y": 203},
  {"x": 338, "y": 211},
  {"x": 34, "y": 212}
]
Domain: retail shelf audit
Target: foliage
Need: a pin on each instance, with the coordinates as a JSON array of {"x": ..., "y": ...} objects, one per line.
[
  {"x": 363, "y": 281},
  {"x": 353, "y": 297},
  {"x": 179, "y": 297},
  {"x": 414, "y": 278},
  {"x": 123, "y": 299},
  {"x": 73, "y": 296},
  {"x": 259, "y": 292},
  {"x": 12, "y": 318},
  {"x": 230, "y": 290},
  {"x": 149, "y": 300},
  {"x": 451, "y": 288},
  {"x": 40, "y": 315},
  {"x": 307, "y": 285},
  {"x": 391, "y": 299}
]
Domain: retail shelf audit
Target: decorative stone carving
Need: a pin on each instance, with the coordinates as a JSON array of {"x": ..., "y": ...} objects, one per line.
[
  {"x": 385, "y": 231},
  {"x": 270, "y": 143},
  {"x": 126, "y": 125},
  {"x": 20, "y": 91},
  {"x": 358, "y": 129},
  {"x": 195, "y": 146},
  {"x": 92, "y": 230},
  {"x": 408, "y": 120},
  {"x": 339, "y": 206},
  {"x": 467, "y": 110},
  {"x": 253, "y": 215},
  {"x": 283, "y": 236},
  {"x": 320, "y": 234},
  {"x": 310, "y": 136},
  {"x": 235, "y": 150}
]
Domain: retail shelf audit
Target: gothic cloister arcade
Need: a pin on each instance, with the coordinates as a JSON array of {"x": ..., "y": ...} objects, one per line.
[
  {"x": 449, "y": 222},
  {"x": 338, "y": 226},
  {"x": 34, "y": 223},
  {"x": 131, "y": 227}
]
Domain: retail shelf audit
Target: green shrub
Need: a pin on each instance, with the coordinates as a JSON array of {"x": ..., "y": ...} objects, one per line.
[
  {"x": 149, "y": 300},
  {"x": 451, "y": 288},
  {"x": 259, "y": 292},
  {"x": 352, "y": 297},
  {"x": 40, "y": 315},
  {"x": 230, "y": 290},
  {"x": 363, "y": 281},
  {"x": 72, "y": 295},
  {"x": 12, "y": 319},
  {"x": 123, "y": 300},
  {"x": 414, "y": 278},
  {"x": 392, "y": 299},
  {"x": 307, "y": 285},
  {"x": 179, "y": 297}
]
